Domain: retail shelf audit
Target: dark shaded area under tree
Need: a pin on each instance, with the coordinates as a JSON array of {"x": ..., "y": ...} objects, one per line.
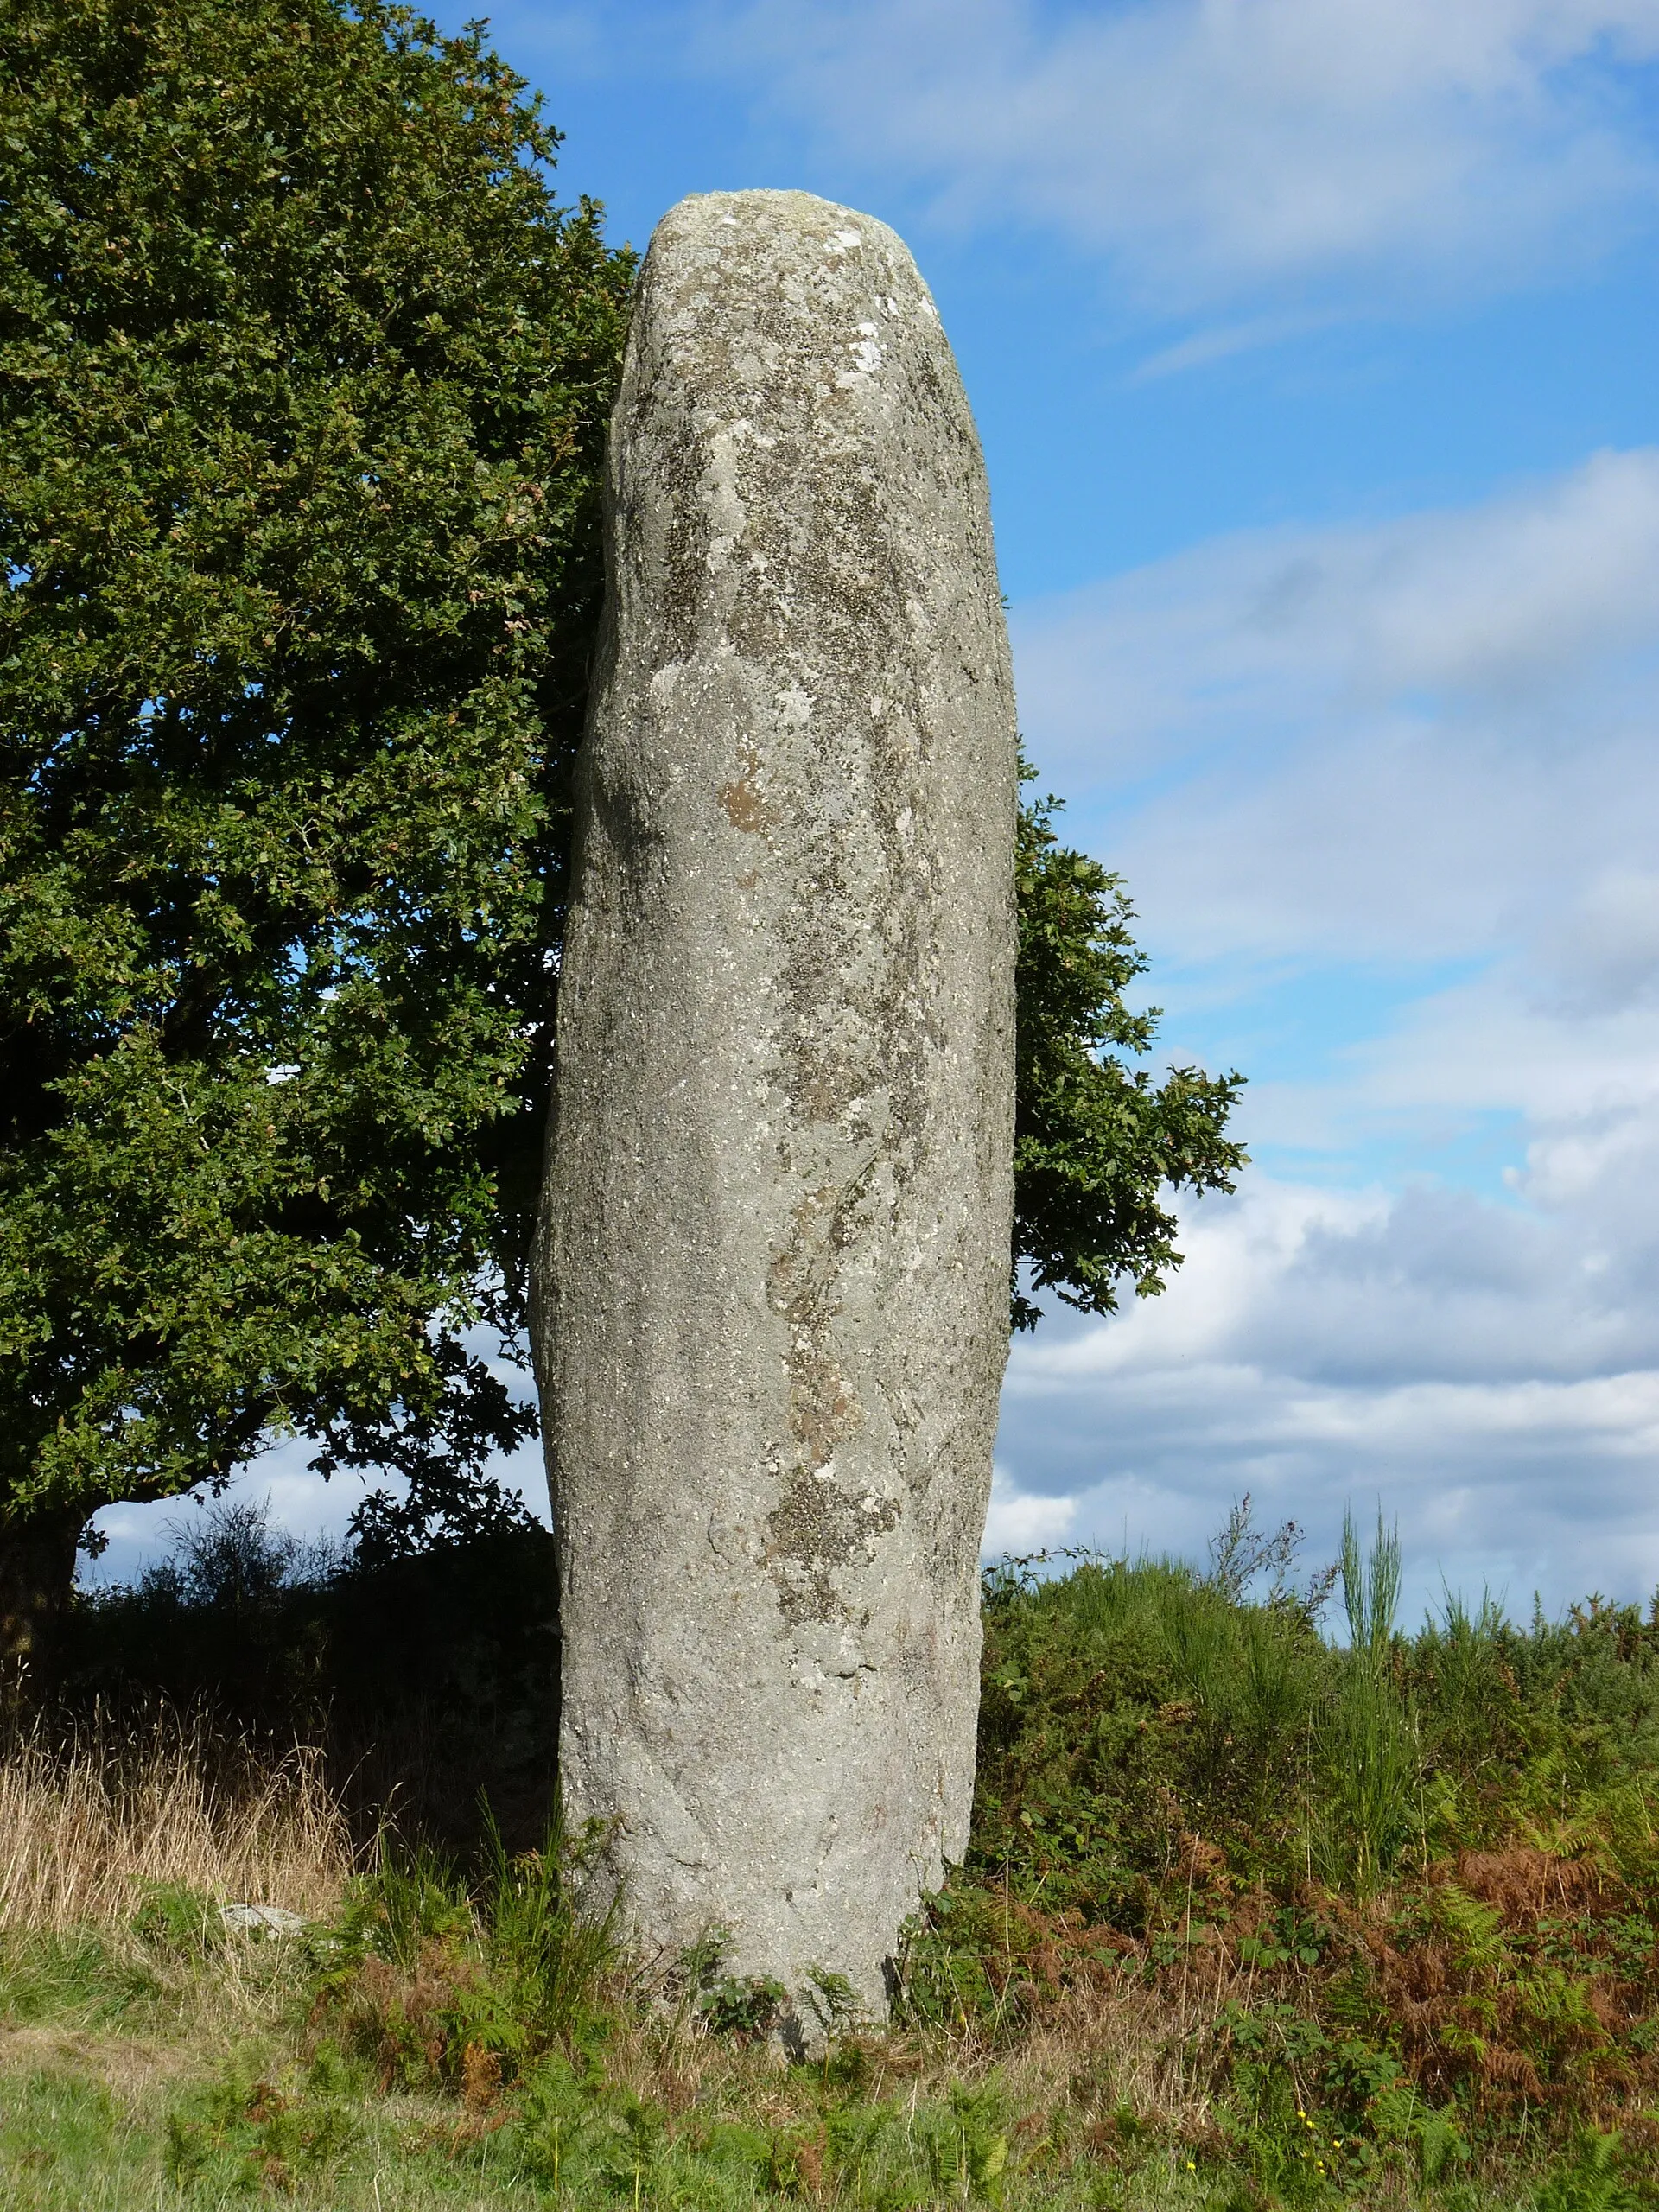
[{"x": 430, "y": 1681}]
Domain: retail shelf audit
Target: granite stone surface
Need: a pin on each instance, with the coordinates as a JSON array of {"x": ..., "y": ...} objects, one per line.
[{"x": 771, "y": 1294}]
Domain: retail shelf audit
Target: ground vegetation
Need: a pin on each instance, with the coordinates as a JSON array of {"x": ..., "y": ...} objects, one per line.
[{"x": 1269, "y": 1903}]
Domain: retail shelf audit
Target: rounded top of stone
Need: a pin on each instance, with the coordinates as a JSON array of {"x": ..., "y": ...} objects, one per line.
[{"x": 824, "y": 227}]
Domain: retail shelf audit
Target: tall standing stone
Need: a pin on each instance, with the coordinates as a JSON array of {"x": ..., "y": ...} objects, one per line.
[{"x": 773, "y": 1258}]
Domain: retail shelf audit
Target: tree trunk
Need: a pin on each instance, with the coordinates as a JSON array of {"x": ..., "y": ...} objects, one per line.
[{"x": 37, "y": 1573}]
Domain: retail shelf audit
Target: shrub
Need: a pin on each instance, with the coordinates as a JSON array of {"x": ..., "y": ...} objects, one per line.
[{"x": 435, "y": 1976}]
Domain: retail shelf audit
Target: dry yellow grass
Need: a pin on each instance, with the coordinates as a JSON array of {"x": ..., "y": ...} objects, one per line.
[{"x": 86, "y": 1829}]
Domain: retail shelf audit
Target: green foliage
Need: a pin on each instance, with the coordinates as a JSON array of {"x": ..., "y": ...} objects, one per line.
[
  {"x": 1367, "y": 1741},
  {"x": 584, "y": 2142},
  {"x": 748, "y": 2007},
  {"x": 79, "y": 1976},
  {"x": 64, "y": 2144},
  {"x": 432, "y": 1976},
  {"x": 1096, "y": 1144},
  {"x": 1589, "y": 2180},
  {"x": 546, "y": 1954},
  {"x": 178, "y": 1919},
  {"x": 242, "y": 2135},
  {"x": 302, "y": 379},
  {"x": 833, "y": 2000},
  {"x": 1124, "y": 1706},
  {"x": 1398, "y": 1887},
  {"x": 414, "y": 1900}
]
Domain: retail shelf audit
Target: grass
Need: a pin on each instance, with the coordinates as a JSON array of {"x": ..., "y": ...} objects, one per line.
[
  {"x": 1254, "y": 1916},
  {"x": 419, "y": 1681},
  {"x": 89, "y": 1830}
]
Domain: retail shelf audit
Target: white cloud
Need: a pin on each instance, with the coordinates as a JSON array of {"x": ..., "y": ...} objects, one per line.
[
  {"x": 1387, "y": 742},
  {"x": 1020, "y": 1522},
  {"x": 1469, "y": 1369},
  {"x": 1216, "y": 146},
  {"x": 1393, "y": 791}
]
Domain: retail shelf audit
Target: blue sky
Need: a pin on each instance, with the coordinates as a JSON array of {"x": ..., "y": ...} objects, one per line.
[{"x": 1311, "y": 343}]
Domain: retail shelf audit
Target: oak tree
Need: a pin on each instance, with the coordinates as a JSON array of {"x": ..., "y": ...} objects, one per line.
[{"x": 303, "y": 375}]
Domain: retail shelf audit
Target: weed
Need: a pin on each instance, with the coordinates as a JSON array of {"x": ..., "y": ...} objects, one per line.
[
  {"x": 1589, "y": 2180},
  {"x": 434, "y": 1977},
  {"x": 239, "y": 2134},
  {"x": 833, "y": 2001},
  {"x": 748, "y": 2007},
  {"x": 98, "y": 1826}
]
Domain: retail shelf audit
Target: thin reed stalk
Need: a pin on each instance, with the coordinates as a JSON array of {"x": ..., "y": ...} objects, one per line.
[{"x": 89, "y": 1827}]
